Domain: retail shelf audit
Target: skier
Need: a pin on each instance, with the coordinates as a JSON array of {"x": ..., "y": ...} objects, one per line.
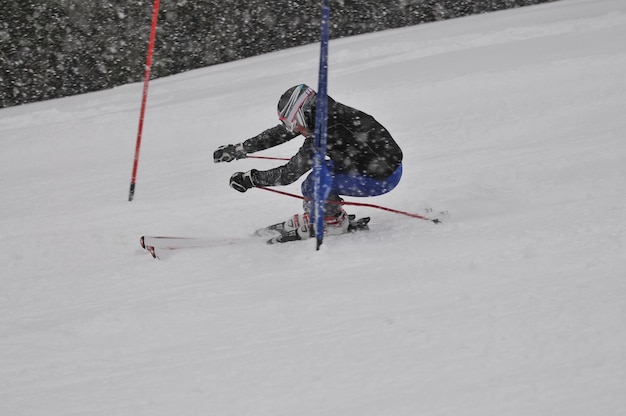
[{"x": 362, "y": 157}]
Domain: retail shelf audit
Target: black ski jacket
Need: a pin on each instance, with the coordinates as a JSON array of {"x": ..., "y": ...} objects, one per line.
[{"x": 356, "y": 143}]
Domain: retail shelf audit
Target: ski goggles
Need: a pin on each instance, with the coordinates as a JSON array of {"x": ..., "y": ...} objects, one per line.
[{"x": 293, "y": 113}]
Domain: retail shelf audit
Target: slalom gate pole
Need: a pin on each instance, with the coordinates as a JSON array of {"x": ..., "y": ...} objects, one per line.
[
  {"x": 358, "y": 204},
  {"x": 322, "y": 180},
  {"x": 146, "y": 81}
]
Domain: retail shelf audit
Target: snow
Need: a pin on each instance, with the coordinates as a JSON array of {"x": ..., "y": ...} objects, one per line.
[{"x": 512, "y": 121}]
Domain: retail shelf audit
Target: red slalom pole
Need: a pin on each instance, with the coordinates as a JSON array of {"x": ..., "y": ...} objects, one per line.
[
  {"x": 146, "y": 81},
  {"x": 359, "y": 204}
]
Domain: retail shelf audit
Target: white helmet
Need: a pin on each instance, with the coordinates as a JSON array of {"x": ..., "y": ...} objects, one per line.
[{"x": 296, "y": 107}]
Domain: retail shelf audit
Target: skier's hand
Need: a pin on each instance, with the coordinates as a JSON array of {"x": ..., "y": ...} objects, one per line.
[
  {"x": 241, "y": 181},
  {"x": 228, "y": 153}
]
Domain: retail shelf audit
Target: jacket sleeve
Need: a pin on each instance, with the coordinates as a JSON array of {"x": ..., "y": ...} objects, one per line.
[
  {"x": 297, "y": 166},
  {"x": 269, "y": 138}
]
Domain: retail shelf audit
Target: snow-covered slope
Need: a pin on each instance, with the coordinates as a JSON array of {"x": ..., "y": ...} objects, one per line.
[{"x": 513, "y": 122}]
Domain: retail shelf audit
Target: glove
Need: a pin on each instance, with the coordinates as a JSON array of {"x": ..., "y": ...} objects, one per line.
[
  {"x": 229, "y": 153},
  {"x": 241, "y": 181}
]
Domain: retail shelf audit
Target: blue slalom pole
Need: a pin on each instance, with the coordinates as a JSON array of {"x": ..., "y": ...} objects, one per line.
[{"x": 322, "y": 180}]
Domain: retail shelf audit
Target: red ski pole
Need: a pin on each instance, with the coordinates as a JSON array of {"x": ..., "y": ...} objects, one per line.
[
  {"x": 359, "y": 204},
  {"x": 268, "y": 157}
]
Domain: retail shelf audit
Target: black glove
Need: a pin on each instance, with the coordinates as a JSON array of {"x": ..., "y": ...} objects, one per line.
[
  {"x": 242, "y": 181},
  {"x": 229, "y": 153}
]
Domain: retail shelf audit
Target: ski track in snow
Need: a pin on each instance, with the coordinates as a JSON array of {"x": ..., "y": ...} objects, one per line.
[{"x": 512, "y": 121}]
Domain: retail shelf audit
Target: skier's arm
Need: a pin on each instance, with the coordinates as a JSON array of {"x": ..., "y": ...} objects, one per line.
[
  {"x": 288, "y": 173},
  {"x": 268, "y": 138},
  {"x": 297, "y": 166}
]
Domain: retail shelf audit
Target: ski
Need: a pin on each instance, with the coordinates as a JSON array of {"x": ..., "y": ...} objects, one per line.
[
  {"x": 157, "y": 245},
  {"x": 174, "y": 243},
  {"x": 354, "y": 226},
  {"x": 279, "y": 234}
]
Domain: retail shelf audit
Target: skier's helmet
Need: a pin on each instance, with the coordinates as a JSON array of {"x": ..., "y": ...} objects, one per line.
[{"x": 296, "y": 106}]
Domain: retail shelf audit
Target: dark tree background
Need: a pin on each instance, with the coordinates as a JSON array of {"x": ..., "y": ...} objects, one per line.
[{"x": 56, "y": 48}]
